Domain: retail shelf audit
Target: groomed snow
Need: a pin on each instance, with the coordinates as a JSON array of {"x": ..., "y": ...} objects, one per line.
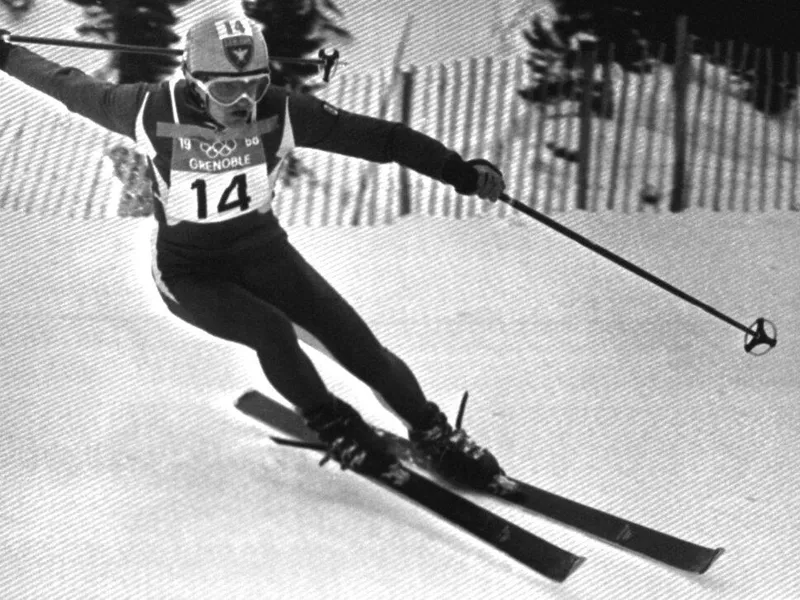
[{"x": 128, "y": 474}]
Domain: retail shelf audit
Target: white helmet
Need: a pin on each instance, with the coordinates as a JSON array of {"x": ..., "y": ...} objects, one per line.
[{"x": 227, "y": 57}]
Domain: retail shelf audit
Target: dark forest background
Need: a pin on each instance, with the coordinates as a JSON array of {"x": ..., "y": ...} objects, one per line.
[{"x": 635, "y": 31}]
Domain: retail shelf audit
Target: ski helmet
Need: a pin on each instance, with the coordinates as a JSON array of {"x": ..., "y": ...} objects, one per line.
[{"x": 223, "y": 46}]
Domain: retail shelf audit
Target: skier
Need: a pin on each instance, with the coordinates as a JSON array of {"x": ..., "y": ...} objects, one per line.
[{"x": 215, "y": 139}]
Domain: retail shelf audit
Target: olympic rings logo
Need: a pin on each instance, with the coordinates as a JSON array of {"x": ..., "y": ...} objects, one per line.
[{"x": 218, "y": 149}]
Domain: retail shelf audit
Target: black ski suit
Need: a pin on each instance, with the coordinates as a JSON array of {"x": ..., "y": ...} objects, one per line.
[{"x": 222, "y": 261}]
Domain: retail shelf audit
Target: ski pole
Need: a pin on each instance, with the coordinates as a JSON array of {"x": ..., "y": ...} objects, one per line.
[
  {"x": 755, "y": 335},
  {"x": 328, "y": 58}
]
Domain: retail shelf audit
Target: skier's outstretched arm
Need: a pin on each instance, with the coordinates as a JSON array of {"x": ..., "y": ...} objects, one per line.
[
  {"x": 112, "y": 106},
  {"x": 324, "y": 127}
]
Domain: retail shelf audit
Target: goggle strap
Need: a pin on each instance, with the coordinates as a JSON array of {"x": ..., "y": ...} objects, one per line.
[{"x": 201, "y": 75}]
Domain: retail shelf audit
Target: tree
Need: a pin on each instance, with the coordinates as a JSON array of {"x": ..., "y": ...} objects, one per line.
[
  {"x": 296, "y": 29},
  {"x": 635, "y": 26},
  {"x": 554, "y": 61},
  {"x": 18, "y": 7},
  {"x": 140, "y": 22}
]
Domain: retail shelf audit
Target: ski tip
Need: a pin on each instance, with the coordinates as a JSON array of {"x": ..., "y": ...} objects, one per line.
[
  {"x": 282, "y": 441},
  {"x": 578, "y": 562},
  {"x": 249, "y": 395},
  {"x": 569, "y": 568},
  {"x": 717, "y": 552}
]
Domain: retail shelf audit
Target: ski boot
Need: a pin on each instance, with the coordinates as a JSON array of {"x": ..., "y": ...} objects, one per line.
[
  {"x": 350, "y": 440},
  {"x": 453, "y": 455}
]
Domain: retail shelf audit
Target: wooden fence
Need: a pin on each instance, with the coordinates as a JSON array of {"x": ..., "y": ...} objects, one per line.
[
  {"x": 53, "y": 163},
  {"x": 678, "y": 137}
]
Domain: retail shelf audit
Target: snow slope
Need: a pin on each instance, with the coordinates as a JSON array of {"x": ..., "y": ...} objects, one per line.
[{"x": 127, "y": 473}]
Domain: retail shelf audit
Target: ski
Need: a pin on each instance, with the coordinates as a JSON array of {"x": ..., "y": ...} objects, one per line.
[
  {"x": 654, "y": 544},
  {"x": 536, "y": 553}
]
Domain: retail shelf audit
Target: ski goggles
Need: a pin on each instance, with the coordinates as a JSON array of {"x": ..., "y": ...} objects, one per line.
[{"x": 227, "y": 91}]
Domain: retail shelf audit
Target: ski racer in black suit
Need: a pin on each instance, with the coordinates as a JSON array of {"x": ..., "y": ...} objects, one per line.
[{"x": 215, "y": 140}]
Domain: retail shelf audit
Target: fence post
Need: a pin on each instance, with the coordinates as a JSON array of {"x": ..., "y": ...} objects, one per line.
[
  {"x": 737, "y": 135},
  {"x": 765, "y": 129},
  {"x": 795, "y": 143},
  {"x": 15, "y": 158},
  {"x": 649, "y": 192},
  {"x": 784, "y": 121},
  {"x": 753, "y": 127},
  {"x": 369, "y": 174},
  {"x": 620, "y": 114},
  {"x": 407, "y": 93},
  {"x": 604, "y": 109},
  {"x": 482, "y": 135},
  {"x": 681, "y": 81},
  {"x": 588, "y": 54},
  {"x": 440, "y": 107}
]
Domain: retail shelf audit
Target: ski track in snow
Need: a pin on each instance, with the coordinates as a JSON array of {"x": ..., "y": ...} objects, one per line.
[{"x": 127, "y": 473}]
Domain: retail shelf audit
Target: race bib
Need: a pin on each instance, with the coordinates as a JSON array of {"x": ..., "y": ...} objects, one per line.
[{"x": 217, "y": 180}]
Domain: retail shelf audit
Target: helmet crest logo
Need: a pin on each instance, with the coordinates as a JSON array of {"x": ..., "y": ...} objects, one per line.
[{"x": 237, "y": 41}]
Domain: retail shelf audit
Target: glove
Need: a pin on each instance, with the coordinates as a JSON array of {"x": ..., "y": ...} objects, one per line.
[
  {"x": 490, "y": 182},
  {"x": 475, "y": 177},
  {"x": 5, "y": 47}
]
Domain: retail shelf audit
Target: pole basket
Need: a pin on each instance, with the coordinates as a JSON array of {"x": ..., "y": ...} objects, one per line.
[{"x": 761, "y": 338}]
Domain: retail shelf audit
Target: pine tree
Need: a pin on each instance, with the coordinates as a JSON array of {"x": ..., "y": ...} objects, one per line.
[
  {"x": 18, "y": 8},
  {"x": 554, "y": 61},
  {"x": 636, "y": 26},
  {"x": 139, "y": 22},
  {"x": 296, "y": 29}
]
